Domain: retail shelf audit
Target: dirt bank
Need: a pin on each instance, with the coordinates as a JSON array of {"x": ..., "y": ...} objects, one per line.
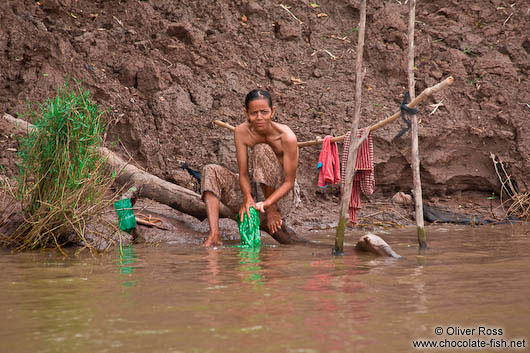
[{"x": 166, "y": 69}]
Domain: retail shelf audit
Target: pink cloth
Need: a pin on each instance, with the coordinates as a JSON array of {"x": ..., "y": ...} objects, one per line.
[
  {"x": 328, "y": 163},
  {"x": 364, "y": 179}
]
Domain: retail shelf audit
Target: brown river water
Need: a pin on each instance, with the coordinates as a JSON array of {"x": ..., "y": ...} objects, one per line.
[{"x": 473, "y": 284}]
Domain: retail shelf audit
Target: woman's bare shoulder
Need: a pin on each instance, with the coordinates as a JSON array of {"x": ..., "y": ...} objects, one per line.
[
  {"x": 287, "y": 133},
  {"x": 242, "y": 127}
]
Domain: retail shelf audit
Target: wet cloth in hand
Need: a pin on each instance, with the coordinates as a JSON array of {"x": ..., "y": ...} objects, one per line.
[
  {"x": 328, "y": 163},
  {"x": 249, "y": 229},
  {"x": 364, "y": 180}
]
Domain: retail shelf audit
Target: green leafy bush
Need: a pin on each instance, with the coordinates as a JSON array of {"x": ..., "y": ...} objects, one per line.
[{"x": 62, "y": 182}]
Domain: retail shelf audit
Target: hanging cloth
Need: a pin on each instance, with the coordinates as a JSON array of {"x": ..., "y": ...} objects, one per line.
[
  {"x": 364, "y": 180},
  {"x": 328, "y": 163}
]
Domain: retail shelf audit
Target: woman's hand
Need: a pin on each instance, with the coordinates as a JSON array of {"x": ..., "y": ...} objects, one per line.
[
  {"x": 245, "y": 208},
  {"x": 260, "y": 206}
]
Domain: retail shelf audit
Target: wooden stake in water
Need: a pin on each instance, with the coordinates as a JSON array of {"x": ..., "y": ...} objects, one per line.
[
  {"x": 422, "y": 236},
  {"x": 354, "y": 144}
]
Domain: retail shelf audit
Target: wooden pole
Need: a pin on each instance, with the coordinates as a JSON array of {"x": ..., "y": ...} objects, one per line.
[
  {"x": 422, "y": 236},
  {"x": 350, "y": 165}
]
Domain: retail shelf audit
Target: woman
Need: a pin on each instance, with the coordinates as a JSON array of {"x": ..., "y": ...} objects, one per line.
[{"x": 274, "y": 160}]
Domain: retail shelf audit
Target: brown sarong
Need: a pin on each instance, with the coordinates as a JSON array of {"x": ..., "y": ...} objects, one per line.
[{"x": 265, "y": 168}]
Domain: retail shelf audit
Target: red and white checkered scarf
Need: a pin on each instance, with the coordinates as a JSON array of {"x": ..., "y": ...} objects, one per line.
[{"x": 364, "y": 179}]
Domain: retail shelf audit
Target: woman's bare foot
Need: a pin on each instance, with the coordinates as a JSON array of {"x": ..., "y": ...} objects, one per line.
[{"x": 213, "y": 240}]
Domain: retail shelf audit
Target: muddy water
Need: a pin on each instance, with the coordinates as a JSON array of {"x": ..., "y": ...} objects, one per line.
[{"x": 277, "y": 299}]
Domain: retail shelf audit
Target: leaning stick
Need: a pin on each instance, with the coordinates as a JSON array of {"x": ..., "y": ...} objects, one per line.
[
  {"x": 429, "y": 91},
  {"x": 150, "y": 224},
  {"x": 415, "y": 102},
  {"x": 350, "y": 164},
  {"x": 416, "y": 178},
  {"x": 223, "y": 124}
]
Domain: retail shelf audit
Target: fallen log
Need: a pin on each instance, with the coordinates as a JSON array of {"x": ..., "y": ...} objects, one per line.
[
  {"x": 152, "y": 187},
  {"x": 149, "y": 186},
  {"x": 19, "y": 125}
]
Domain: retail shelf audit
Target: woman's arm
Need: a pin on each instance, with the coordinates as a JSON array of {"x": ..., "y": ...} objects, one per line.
[
  {"x": 290, "y": 165},
  {"x": 242, "y": 163}
]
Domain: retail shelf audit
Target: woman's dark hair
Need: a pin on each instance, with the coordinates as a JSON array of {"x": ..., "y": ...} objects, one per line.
[{"x": 257, "y": 94}]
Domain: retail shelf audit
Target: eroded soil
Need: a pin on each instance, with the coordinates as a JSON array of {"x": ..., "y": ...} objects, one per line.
[{"x": 164, "y": 70}]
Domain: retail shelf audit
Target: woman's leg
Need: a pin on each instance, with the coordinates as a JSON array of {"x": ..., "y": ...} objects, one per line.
[
  {"x": 218, "y": 184},
  {"x": 212, "y": 210}
]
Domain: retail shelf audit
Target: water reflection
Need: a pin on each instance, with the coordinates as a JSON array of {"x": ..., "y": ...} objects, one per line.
[
  {"x": 336, "y": 293},
  {"x": 126, "y": 259},
  {"x": 249, "y": 259},
  {"x": 212, "y": 259}
]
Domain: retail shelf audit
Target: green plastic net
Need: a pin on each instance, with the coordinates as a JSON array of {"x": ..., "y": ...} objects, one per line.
[
  {"x": 249, "y": 229},
  {"x": 125, "y": 214}
]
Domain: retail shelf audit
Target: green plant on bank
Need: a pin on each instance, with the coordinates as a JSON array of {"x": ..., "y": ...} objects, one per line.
[{"x": 62, "y": 182}]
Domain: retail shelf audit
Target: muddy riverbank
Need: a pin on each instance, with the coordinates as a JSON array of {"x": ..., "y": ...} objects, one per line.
[{"x": 164, "y": 70}]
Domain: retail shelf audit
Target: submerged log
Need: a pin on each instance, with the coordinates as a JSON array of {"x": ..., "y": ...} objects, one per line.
[
  {"x": 285, "y": 235},
  {"x": 374, "y": 244}
]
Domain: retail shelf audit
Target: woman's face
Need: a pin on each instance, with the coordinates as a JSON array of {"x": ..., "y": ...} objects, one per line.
[{"x": 259, "y": 113}]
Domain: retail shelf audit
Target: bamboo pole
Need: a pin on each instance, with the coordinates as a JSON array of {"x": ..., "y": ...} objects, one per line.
[
  {"x": 223, "y": 124},
  {"x": 414, "y": 102},
  {"x": 420, "y": 227},
  {"x": 350, "y": 165}
]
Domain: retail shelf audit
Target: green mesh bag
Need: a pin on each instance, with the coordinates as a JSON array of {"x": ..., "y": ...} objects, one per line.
[
  {"x": 125, "y": 214},
  {"x": 249, "y": 229}
]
